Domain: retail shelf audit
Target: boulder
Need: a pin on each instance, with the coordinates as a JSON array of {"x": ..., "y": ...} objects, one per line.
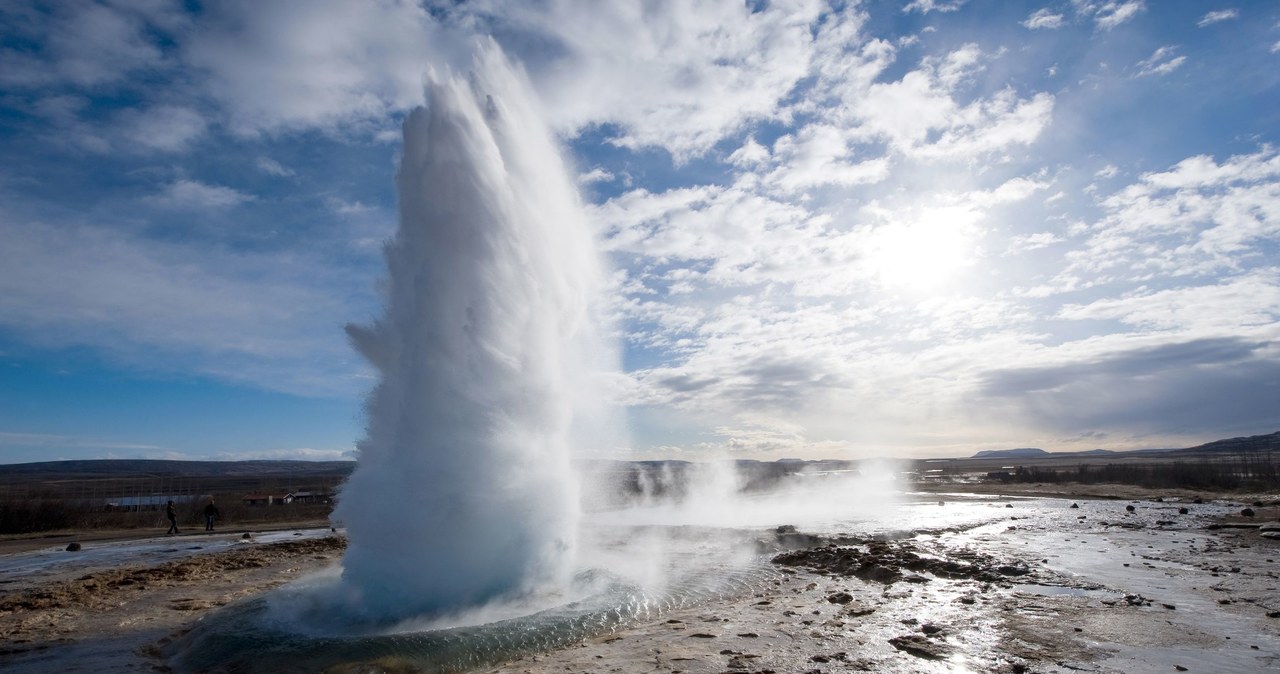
[
  {"x": 1130, "y": 508},
  {"x": 1075, "y": 505},
  {"x": 1183, "y": 511},
  {"x": 73, "y": 547},
  {"x": 1247, "y": 512}
]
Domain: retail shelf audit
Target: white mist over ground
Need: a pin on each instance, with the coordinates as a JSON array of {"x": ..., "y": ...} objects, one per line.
[{"x": 488, "y": 354}]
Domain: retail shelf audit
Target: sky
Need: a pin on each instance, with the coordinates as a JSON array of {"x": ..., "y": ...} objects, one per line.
[{"x": 836, "y": 229}]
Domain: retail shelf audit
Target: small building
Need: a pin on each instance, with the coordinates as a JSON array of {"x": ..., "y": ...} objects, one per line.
[{"x": 266, "y": 499}]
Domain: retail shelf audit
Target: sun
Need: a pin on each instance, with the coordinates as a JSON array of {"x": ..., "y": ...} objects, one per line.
[{"x": 926, "y": 255}]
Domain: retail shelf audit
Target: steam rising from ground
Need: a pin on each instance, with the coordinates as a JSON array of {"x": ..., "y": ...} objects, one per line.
[{"x": 464, "y": 492}]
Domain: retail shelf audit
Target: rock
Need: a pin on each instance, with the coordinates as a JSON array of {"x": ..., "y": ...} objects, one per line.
[
  {"x": 1179, "y": 668},
  {"x": 246, "y": 535},
  {"x": 1130, "y": 508},
  {"x": 1273, "y": 614},
  {"x": 1075, "y": 505},
  {"x": 930, "y": 628},
  {"x": 840, "y": 598},
  {"x": 785, "y": 529},
  {"x": 1273, "y": 535},
  {"x": 1269, "y": 526},
  {"x": 1198, "y": 500},
  {"x": 1008, "y": 505},
  {"x": 1257, "y": 504},
  {"x": 1159, "y": 499},
  {"x": 73, "y": 547},
  {"x": 1171, "y": 607},
  {"x": 701, "y": 635},
  {"x": 1247, "y": 512},
  {"x": 1183, "y": 511},
  {"x": 857, "y": 610},
  {"x": 919, "y": 646}
]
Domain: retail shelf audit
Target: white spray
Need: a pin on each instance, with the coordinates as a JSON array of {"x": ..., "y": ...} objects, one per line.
[{"x": 464, "y": 491}]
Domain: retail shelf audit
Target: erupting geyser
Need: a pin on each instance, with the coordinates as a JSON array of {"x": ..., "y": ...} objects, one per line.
[{"x": 464, "y": 491}]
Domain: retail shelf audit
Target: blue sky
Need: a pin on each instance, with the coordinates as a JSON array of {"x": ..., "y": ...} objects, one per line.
[{"x": 837, "y": 229}]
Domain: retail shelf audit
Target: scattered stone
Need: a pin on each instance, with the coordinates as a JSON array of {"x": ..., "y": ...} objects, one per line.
[
  {"x": 673, "y": 621},
  {"x": 1008, "y": 505},
  {"x": 1075, "y": 505},
  {"x": 246, "y": 535},
  {"x": 1273, "y": 535},
  {"x": 1273, "y": 614},
  {"x": 701, "y": 635},
  {"x": 1247, "y": 512},
  {"x": 1180, "y": 668},
  {"x": 1159, "y": 499},
  {"x": 921, "y": 647},
  {"x": 1130, "y": 508},
  {"x": 857, "y": 610},
  {"x": 930, "y": 628},
  {"x": 840, "y": 598},
  {"x": 73, "y": 547},
  {"x": 785, "y": 529},
  {"x": 1183, "y": 510},
  {"x": 1198, "y": 500},
  {"x": 1269, "y": 526},
  {"x": 1257, "y": 504},
  {"x": 749, "y": 635},
  {"x": 1171, "y": 607}
]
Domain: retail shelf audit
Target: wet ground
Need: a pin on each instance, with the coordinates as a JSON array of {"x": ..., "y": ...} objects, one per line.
[
  {"x": 997, "y": 585},
  {"x": 927, "y": 583}
]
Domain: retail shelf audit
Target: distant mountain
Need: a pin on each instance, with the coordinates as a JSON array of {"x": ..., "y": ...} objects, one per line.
[
  {"x": 162, "y": 468},
  {"x": 1252, "y": 443},
  {"x": 1018, "y": 453}
]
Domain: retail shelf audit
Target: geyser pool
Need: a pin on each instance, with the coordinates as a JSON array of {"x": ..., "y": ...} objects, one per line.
[{"x": 487, "y": 354}]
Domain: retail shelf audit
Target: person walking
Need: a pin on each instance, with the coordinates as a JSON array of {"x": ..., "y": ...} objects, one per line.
[
  {"x": 210, "y": 515},
  {"x": 173, "y": 518}
]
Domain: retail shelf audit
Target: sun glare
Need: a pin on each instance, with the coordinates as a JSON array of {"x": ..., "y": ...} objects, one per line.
[{"x": 923, "y": 256}]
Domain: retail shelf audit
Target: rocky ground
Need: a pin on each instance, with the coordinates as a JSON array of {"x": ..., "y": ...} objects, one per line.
[
  {"x": 1039, "y": 585},
  {"x": 114, "y": 620}
]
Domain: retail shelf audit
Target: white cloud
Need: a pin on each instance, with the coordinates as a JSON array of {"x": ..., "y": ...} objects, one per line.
[
  {"x": 1044, "y": 18},
  {"x": 680, "y": 76},
  {"x": 277, "y": 67},
  {"x": 595, "y": 175},
  {"x": 186, "y": 194},
  {"x": 165, "y": 128},
  {"x": 1161, "y": 62},
  {"x": 1035, "y": 241},
  {"x": 264, "y": 319},
  {"x": 272, "y": 167},
  {"x": 87, "y": 44},
  {"x": 819, "y": 155},
  {"x": 1107, "y": 15},
  {"x": 926, "y": 6},
  {"x": 1218, "y": 16},
  {"x": 1108, "y": 171},
  {"x": 750, "y": 154}
]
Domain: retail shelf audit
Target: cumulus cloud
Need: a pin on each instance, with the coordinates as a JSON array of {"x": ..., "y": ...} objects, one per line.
[
  {"x": 85, "y": 44},
  {"x": 926, "y": 6},
  {"x": 187, "y": 194},
  {"x": 279, "y": 67},
  {"x": 165, "y": 128},
  {"x": 670, "y": 75},
  {"x": 272, "y": 167},
  {"x": 1044, "y": 18}
]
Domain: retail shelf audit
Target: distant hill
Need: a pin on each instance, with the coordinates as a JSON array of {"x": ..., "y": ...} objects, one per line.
[
  {"x": 1018, "y": 453},
  {"x": 1252, "y": 443},
  {"x": 90, "y": 468}
]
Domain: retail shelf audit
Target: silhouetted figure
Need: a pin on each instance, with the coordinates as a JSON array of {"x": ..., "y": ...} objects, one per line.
[
  {"x": 210, "y": 514},
  {"x": 173, "y": 518}
]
